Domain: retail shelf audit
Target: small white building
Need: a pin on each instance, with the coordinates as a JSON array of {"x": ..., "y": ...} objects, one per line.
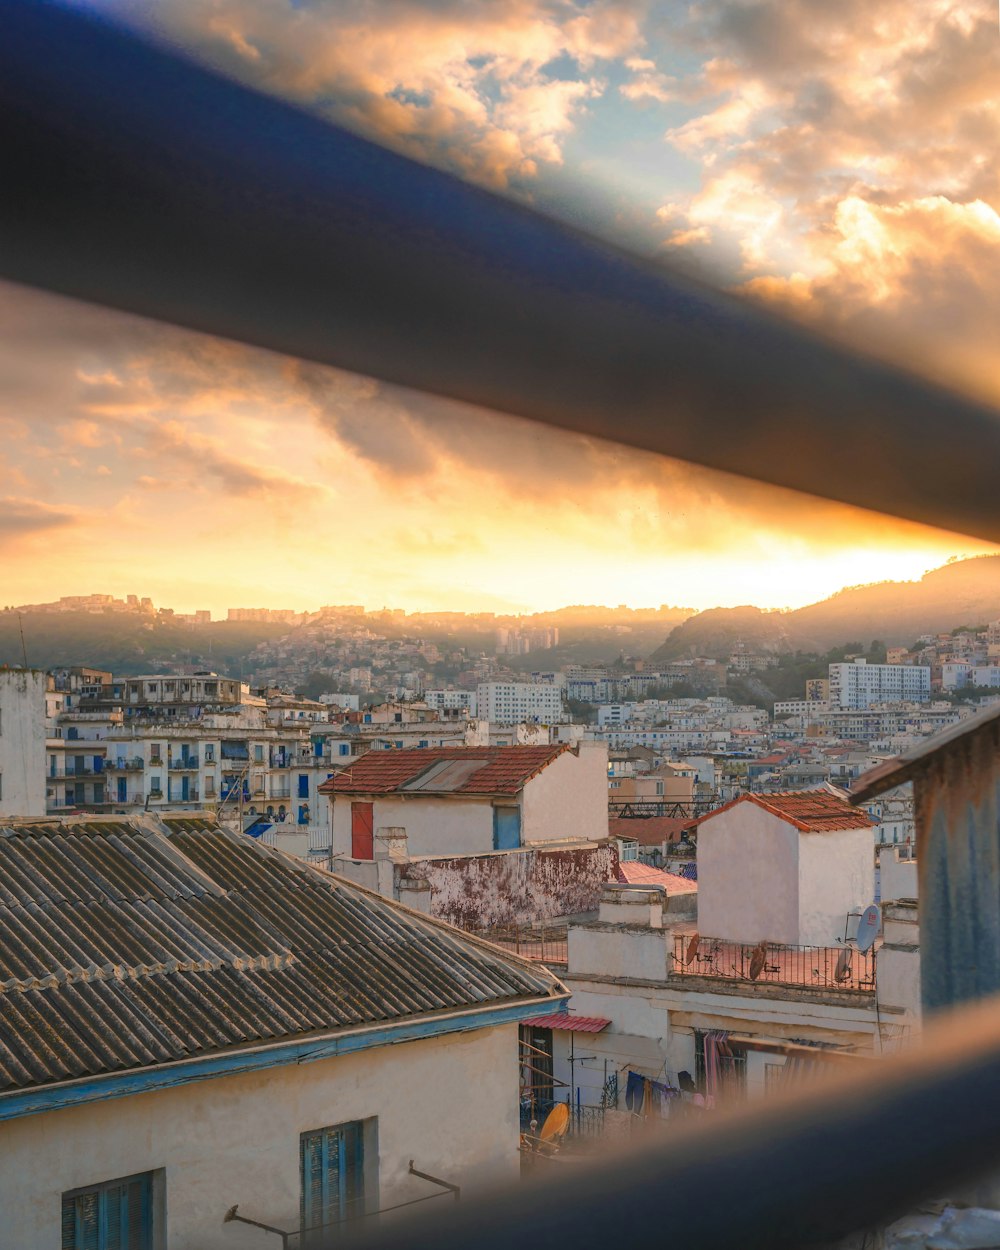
[
  {"x": 238, "y": 1033},
  {"x": 787, "y": 867},
  {"x": 22, "y": 742},
  {"x": 468, "y": 800}
]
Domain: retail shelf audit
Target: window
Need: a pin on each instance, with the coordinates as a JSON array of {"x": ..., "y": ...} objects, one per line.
[
  {"x": 258, "y": 754},
  {"x": 117, "y": 1215},
  {"x": 333, "y": 1180}
]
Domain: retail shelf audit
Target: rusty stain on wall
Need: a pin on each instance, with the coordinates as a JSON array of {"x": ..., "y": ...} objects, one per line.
[{"x": 516, "y": 887}]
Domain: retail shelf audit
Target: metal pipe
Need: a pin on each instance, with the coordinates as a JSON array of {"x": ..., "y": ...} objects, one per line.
[
  {"x": 456, "y": 1190},
  {"x": 788, "y": 1173},
  {"x": 139, "y": 180}
]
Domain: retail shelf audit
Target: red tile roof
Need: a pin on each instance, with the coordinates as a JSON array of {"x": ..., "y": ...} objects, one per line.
[
  {"x": 811, "y": 811},
  {"x": 649, "y": 830},
  {"x": 505, "y": 770},
  {"x": 631, "y": 872},
  {"x": 572, "y": 1024}
]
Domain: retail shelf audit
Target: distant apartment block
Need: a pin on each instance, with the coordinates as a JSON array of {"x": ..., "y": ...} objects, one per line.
[
  {"x": 509, "y": 702},
  {"x": 859, "y": 685},
  {"x": 452, "y": 703}
]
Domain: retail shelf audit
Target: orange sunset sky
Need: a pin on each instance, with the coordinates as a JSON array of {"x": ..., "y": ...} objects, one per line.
[{"x": 837, "y": 161}]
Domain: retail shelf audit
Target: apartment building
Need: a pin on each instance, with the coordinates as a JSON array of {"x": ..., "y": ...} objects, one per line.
[
  {"x": 509, "y": 702},
  {"x": 858, "y": 684}
]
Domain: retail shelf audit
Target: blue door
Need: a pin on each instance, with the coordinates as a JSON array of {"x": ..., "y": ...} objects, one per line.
[
  {"x": 506, "y": 828},
  {"x": 185, "y": 789},
  {"x": 122, "y": 789},
  {"x": 303, "y": 785}
]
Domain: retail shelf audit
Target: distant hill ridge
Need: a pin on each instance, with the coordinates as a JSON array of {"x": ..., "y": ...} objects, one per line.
[{"x": 964, "y": 592}]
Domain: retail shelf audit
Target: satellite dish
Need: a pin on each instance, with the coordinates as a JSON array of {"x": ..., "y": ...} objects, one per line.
[
  {"x": 757, "y": 962},
  {"x": 868, "y": 927},
  {"x": 843, "y": 969},
  {"x": 692, "y": 948},
  {"x": 556, "y": 1123}
]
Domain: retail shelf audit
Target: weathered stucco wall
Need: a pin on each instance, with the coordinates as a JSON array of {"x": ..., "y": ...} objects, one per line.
[
  {"x": 235, "y": 1139},
  {"x": 748, "y": 876},
  {"x": 22, "y": 742},
  {"x": 515, "y": 887},
  {"x": 569, "y": 798},
  {"x": 836, "y": 877},
  {"x": 434, "y": 826}
]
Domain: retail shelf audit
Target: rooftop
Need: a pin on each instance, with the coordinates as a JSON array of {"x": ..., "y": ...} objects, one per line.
[
  {"x": 631, "y": 872},
  {"x": 444, "y": 770},
  {"x": 810, "y": 811},
  {"x": 126, "y": 943},
  {"x": 649, "y": 830}
]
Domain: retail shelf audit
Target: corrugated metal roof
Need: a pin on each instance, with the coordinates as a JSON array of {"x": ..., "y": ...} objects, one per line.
[
  {"x": 502, "y": 770},
  {"x": 569, "y": 1024},
  {"x": 135, "y": 942}
]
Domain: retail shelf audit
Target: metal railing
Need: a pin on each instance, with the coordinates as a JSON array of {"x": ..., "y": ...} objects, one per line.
[
  {"x": 546, "y": 944},
  {"x": 771, "y": 963},
  {"x": 189, "y": 764},
  {"x": 120, "y": 765}
]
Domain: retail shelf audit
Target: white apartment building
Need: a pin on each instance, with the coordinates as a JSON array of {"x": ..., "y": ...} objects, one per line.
[
  {"x": 858, "y": 684},
  {"x": 452, "y": 702},
  {"x": 22, "y": 742},
  {"x": 509, "y": 702}
]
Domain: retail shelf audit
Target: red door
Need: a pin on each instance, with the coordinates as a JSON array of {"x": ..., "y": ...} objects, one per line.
[{"x": 362, "y": 831}]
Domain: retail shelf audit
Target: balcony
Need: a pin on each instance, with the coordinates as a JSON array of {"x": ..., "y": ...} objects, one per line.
[
  {"x": 770, "y": 963},
  {"x": 184, "y": 765},
  {"x": 120, "y": 765}
]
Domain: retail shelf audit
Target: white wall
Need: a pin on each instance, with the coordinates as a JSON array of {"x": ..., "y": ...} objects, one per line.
[
  {"x": 899, "y": 969},
  {"x": 748, "y": 876},
  {"x": 568, "y": 798},
  {"x": 898, "y": 876},
  {"x": 22, "y": 742},
  {"x": 462, "y": 825},
  {"x": 836, "y": 876},
  {"x": 450, "y": 1104}
]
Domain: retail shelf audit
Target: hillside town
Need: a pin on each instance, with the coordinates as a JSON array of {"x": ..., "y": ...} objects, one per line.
[
  {"x": 678, "y": 884},
  {"x": 397, "y": 907}
]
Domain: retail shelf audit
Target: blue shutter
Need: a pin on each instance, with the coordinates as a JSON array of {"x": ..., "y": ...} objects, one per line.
[
  {"x": 332, "y": 1180},
  {"x": 506, "y": 828},
  {"x": 115, "y": 1216}
]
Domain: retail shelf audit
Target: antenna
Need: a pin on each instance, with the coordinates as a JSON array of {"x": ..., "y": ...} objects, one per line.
[
  {"x": 868, "y": 927},
  {"x": 24, "y": 649}
]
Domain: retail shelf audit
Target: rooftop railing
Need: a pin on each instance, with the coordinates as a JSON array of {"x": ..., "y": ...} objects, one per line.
[{"x": 771, "y": 963}]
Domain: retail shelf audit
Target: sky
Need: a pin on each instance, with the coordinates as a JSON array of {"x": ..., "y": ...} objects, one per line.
[{"x": 834, "y": 161}]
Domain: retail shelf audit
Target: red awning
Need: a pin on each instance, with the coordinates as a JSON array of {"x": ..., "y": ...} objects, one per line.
[{"x": 572, "y": 1024}]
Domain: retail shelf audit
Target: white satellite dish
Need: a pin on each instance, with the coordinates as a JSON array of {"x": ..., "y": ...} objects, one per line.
[{"x": 868, "y": 927}]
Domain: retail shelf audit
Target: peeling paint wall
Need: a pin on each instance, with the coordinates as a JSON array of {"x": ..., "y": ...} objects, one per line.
[
  {"x": 514, "y": 887},
  {"x": 957, "y": 808}
]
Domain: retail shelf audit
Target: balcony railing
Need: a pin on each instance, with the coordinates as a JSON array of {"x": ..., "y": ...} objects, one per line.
[
  {"x": 546, "y": 944},
  {"x": 770, "y": 963},
  {"x": 183, "y": 765},
  {"x": 120, "y": 765}
]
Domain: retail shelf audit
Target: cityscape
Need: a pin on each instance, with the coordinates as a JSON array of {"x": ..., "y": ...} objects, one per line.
[{"x": 500, "y": 628}]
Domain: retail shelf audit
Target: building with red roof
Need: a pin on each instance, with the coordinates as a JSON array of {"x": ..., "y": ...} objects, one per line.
[
  {"x": 468, "y": 800},
  {"x": 789, "y": 867}
]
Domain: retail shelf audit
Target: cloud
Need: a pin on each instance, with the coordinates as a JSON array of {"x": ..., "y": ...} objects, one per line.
[
  {"x": 20, "y": 517},
  {"x": 467, "y": 85}
]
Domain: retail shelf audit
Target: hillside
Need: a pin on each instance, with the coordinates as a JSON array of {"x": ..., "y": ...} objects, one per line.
[
  {"x": 966, "y": 592},
  {"x": 127, "y": 643}
]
